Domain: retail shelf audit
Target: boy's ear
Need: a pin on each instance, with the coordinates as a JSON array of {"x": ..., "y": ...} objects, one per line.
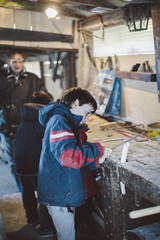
[{"x": 76, "y": 103}]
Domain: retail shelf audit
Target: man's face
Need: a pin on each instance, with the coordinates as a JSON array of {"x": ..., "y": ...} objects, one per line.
[
  {"x": 16, "y": 62},
  {"x": 84, "y": 110}
]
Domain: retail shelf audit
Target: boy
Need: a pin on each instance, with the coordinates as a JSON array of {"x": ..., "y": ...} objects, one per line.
[{"x": 64, "y": 159}]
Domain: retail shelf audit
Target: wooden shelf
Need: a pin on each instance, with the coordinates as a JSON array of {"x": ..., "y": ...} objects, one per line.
[{"x": 143, "y": 76}]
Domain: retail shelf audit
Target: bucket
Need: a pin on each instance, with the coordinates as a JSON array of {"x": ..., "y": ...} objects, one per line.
[{"x": 154, "y": 129}]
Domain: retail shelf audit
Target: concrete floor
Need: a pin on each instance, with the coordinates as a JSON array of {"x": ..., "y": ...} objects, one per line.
[
  {"x": 7, "y": 184},
  {"x": 12, "y": 211},
  {"x": 13, "y": 214}
]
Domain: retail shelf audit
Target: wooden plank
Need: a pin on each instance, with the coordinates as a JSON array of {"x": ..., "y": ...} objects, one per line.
[
  {"x": 155, "y": 11},
  {"x": 137, "y": 183},
  {"x": 112, "y": 202},
  {"x": 143, "y": 76},
  {"x": 110, "y": 19},
  {"x": 107, "y": 125},
  {"x": 25, "y": 35}
]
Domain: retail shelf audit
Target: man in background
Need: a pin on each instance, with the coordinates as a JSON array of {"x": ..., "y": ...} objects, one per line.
[{"x": 16, "y": 88}]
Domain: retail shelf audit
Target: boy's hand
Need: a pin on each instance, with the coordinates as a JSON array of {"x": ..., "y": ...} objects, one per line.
[{"x": 107, "y": 152}]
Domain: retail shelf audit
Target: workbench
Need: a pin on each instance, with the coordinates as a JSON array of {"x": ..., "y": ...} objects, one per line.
[{"x": 139, "y": 175}]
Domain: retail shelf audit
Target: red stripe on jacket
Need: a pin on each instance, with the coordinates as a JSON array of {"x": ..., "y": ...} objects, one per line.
[{"x": 74, "y": 158}]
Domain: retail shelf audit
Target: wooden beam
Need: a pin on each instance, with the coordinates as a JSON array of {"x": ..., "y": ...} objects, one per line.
[
  {"x": 156, "y": 34},
  {"x": 40, "y": 53},
  {"x": 109, "y": 19},
  {"x": 143, "y": 76},
  {"x": 33, "y": 36},
  {"x": 100, "y": 3}
]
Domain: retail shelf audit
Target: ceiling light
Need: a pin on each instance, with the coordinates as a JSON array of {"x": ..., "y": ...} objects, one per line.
[{"x": 51, "y": 12}]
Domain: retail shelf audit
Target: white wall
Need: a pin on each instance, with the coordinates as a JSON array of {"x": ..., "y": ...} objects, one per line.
[
  {"x": 139, "y": 101},
  {"x": 33, "y": 67},
  {"x": 54, "y": 87}
]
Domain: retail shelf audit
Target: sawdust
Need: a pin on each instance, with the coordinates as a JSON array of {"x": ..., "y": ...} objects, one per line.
[
  {"x": 142, "y": 149},
  {"x": 14, "y": 221},
  {"x": 12, "y": 212},
  {"x": 109, "y": 135}
]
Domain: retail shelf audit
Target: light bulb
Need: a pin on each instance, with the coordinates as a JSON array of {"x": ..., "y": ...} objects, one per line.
[{"x": 51, "y": 13}]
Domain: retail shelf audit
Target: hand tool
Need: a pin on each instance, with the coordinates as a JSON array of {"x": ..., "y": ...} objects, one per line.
[
  {"x": 118, "y": 131},
  {"x": 110, "y": 140},
  {"x": 125, "y": 142}
]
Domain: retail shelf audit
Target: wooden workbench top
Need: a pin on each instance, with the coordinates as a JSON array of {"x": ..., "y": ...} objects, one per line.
[{"x": 141, "y": 172}]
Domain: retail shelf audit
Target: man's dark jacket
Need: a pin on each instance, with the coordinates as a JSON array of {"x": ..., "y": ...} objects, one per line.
[{"x": 13, "y": 94}]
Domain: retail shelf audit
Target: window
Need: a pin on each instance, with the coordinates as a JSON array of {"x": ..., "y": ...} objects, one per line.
[{"x": 119, "y": 41}]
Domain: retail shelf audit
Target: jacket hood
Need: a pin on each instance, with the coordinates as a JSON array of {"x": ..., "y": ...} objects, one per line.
[
  {"x": 46, "y": 112},
  {"x": 29, "y": 111}
]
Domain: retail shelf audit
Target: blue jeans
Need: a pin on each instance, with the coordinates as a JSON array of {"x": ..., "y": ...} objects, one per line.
[
  {"x": 29, "y": 186},
  {"x": 7, "y": 145}
]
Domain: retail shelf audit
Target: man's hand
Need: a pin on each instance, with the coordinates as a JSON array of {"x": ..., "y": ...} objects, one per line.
[{"x": 107, "y": 152}]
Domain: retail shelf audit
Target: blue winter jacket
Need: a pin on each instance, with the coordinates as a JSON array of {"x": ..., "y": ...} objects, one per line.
[{"x": 64, "y": 160}]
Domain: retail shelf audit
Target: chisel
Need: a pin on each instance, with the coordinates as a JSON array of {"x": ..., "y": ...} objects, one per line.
[{"x": 125, "y": 142}]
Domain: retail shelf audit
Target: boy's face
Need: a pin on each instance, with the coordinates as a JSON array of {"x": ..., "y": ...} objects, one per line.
[
  {"x": 16, "y": 62},
  {"x": 84, "y": 110}
]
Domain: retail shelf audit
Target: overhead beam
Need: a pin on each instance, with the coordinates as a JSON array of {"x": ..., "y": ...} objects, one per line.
[
  {"x": 100, "y": 3},
  {"x": 34, "y": 51},
  {"x": 109, "y": 19},
  {"x": 33, "y": 36}
]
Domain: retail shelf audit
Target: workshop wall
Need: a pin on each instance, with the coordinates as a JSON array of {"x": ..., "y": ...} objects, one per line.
[
  {"x": 37, "y": 21},
  {"x": 139, "y": 99},
  {"x": 139, "y": 102}
]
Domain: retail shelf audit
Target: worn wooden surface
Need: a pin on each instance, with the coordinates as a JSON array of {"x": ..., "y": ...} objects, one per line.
[
  {"x": 143, "y": 76},
  {"x": 140, "y": 175},
  {"x": 143, "y": 159},
  {"x": 155, "y": 11}
]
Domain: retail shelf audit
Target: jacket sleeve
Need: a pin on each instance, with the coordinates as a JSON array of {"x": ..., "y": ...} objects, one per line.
[
  {"x": 4, "y": 120},
  {"x": 63, "y": 145}
]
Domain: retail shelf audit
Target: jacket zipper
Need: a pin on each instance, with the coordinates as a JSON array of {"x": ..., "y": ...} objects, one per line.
[{"x": 69, "y": 193}]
